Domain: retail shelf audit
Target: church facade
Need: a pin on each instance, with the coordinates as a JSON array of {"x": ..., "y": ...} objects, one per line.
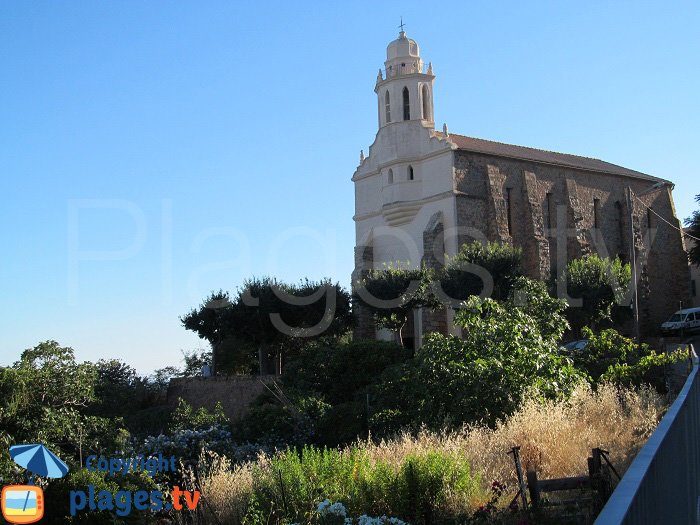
[{"x": 421, "y": 193}]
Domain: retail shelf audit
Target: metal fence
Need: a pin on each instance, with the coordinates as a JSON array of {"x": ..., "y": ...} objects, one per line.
[{"x": 662, "y": 485}]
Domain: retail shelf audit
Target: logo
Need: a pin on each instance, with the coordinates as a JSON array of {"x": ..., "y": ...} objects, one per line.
[
  {"x": 22, "y": 503},
  {"x": 25, "y": 503}
]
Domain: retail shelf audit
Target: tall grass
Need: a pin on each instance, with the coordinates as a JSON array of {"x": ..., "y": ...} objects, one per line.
[{"x": 429, "y": 476}]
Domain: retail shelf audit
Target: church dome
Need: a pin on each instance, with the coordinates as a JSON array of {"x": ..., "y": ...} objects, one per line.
[{"x": 402, "y": 47}]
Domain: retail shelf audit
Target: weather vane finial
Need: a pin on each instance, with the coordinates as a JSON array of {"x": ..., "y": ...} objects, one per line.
[{"x": 401, "y": 25}]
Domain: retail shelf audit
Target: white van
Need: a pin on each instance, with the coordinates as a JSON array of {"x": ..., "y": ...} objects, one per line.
[{"x": 687, "y": 320}]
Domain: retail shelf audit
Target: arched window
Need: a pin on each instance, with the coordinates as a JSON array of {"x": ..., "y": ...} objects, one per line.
[
  {"x": 410, "y": 173},
  {"x": 406, "y": 105},
  {"x": 391, "y": 176},
  {"x": 387, "y": 107},
  {"x": 426, "y": 103}
]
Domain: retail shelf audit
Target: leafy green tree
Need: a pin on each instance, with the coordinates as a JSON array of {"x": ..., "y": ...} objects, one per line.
[
  {"x": 393, "y": 293},
  {"x": 600, "y": 284},
  {"x": 507, "y": 350},
  {"x": 611, "y": 357},
  {"x": 194, "y": 362},
  {"x": 693, "y": 229},
  {"x": 462, "y": 275},
  {"x": 117, "y": 385},
  {"x": 46, "y": 399},
  {"x": 274, "y": 319}
]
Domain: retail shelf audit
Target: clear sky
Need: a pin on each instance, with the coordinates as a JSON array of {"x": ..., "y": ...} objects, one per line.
[{"x": 151, "y": 152}]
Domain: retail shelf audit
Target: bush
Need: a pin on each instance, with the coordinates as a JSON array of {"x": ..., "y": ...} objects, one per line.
[
  {"x": 417, "y": 489},
  {"x": 612, "y": 357},
  {"x": 327, "y": 387},
  {"x": 502, "y": 262},
  {"x": 507, "y": 350},
  {"x": 600, "y": 284},
  {"x": 451, "y": 474}
]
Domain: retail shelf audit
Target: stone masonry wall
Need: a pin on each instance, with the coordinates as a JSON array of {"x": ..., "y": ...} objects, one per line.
[
  {"x": 235, "y": 393},
  {"x": 594, "y": 209}
]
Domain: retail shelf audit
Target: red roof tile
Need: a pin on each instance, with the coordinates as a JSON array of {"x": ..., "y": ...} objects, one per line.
[{"x": 499, "y": 149}]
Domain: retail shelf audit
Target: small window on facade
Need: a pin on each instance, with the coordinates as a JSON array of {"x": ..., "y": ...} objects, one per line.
[
  {"x": 596, "y": 212},
  {"x": 548, "y": 212},
  {"x": 391, "y": 176},
  {"x": 406, "y": 105},
  {"x": 426, "y": 102},
  {"x": 387, "y": 107},
  {"x": 410, "y": 173}
]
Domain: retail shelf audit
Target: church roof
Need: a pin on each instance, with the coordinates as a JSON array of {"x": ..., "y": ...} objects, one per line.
[{"x": 500, "y": 149}]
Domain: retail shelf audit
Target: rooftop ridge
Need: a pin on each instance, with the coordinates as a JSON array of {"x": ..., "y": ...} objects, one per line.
[{"x": 496, "y": 148}]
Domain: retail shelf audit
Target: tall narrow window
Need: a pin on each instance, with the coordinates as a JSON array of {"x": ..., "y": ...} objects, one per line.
[
  {"x": 426, "y": 102},
  {"x": 596, "y": 212},
  {"x": 548, "y": 213},
  {"x": 410, "y": 173},
  {"x": 387, "y": 107},
  {"x": 508, "y": 211},
  {"x": 406, "y": 105},
  {"x": 391, "y": 176}
]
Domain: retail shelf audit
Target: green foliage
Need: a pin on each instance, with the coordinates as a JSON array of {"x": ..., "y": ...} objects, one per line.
[
  {"x": 341, "y": 372},
  {"x": 394, "y": 292},
  {"x": 328, "y": 387},
  {"x": 58, "y": 497},
  {"x": 612, "y": 357},
  {"x": 415, "y": 489},
  {"x": 46, "y": 399},
  {"x": 507, "y": 350},
  {"x": 600, "y": 283},
  {"x": 117, "y": 385},
  {"x": 503, "y": 262},
  {"x": 184, "y": 417},
  {"x": 269, "y": 317},
  {"x": 693, "y": 228}
]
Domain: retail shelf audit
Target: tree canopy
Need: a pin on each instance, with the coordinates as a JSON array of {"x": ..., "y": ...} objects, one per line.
[
  {"x": 482, "y": 269},
  {"x": 600, "y": 284},
  {"x": 270, "y": 318},
  {"x": 693, "y": 229}
]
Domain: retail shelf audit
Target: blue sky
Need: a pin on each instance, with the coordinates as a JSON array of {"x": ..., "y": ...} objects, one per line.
[{"x": 152, "y": 152}]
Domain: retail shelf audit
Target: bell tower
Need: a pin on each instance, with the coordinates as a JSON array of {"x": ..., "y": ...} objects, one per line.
[{"x": 404, "y": 87}]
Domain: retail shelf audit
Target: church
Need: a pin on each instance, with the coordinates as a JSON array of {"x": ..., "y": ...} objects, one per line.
[{"x": 420, "y": 193}]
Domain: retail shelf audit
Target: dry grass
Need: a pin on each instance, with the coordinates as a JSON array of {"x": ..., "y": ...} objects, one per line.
[{"x": 555, "y": 439}]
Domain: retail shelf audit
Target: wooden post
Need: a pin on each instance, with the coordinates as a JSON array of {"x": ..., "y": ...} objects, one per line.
[
  {"x": 519, "y": 471},
  {"x": 533, "y": 488}
]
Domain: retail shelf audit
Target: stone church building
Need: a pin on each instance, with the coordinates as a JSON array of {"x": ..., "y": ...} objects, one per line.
[{"x": 422, "y": 193}]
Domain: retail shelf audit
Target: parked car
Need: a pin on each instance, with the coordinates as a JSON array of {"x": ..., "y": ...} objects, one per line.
[
  {"x": 686, "y": 320},
  {"x": 573, "y": 347}
]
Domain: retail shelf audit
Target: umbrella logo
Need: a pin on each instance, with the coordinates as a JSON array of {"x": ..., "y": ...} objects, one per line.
[{"x": 25, "y": 503}]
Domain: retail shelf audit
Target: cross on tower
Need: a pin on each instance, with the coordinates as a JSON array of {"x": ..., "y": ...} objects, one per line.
[{"x": 401, "y": 25}]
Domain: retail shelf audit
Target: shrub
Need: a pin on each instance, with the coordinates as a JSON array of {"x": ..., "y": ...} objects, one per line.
[
  {"x": 506, "y": 350},
  {"x": 600, "y": 284},
  {"x": 451, "y": 474},
  {"x": 611, "y": 357},
  {"x": 501, "y": 261}
]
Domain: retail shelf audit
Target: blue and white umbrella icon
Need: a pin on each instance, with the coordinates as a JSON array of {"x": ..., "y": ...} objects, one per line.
[{"x": 38, "y": 460}]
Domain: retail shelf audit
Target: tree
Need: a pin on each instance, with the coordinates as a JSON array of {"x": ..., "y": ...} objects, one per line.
[
  {"x": 693, "y": 229},
  {"x": 477, "y": 266},
  {"x": 272, "y": 318},
  {"x": 117, "y": 385},
  {"x": 393, "y": 293},
  {"x": 612, "y": 357},
  {"x": 46, "y": 397},
  {"x": 508, "y": 349},
  {"x": 600, "y": 284}
]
